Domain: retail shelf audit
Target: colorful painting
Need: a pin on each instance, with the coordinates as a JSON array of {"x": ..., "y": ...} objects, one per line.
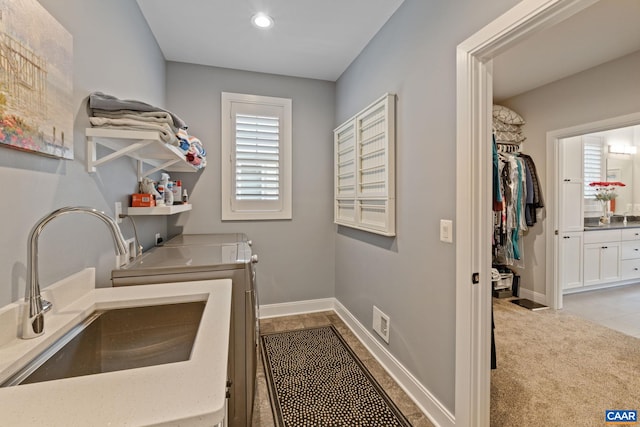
[{"x": 36, "y": 85}]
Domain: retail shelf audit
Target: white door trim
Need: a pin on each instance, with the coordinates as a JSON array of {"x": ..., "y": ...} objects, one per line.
[
  {"x": 553, "y": 179},
  {"x": 473, "y": 195}
]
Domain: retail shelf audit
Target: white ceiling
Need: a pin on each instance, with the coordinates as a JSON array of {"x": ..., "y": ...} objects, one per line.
[
  {"x": 311, "y": 38},
  {"x": 605, "y": 31},
  {"x": 320, "y": 38}
]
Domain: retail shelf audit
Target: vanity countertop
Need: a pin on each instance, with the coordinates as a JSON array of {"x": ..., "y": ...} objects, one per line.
[
  {"x": 612, "y": 226},
  {"x": 189, "y": 393}
]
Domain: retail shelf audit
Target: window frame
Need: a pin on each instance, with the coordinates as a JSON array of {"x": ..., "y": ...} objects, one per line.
[{"x": 238, "y": 210}]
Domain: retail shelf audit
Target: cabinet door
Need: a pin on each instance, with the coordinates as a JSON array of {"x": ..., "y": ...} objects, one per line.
[
  {"x": 601, "y": 263},
  {"x": 571, "y": 184},
  {"x": 591, "y": 263},
  {"x": 570, "y": 265},
  {"x": 571, "y": 198},
  {"x": 610, "y": 262}
]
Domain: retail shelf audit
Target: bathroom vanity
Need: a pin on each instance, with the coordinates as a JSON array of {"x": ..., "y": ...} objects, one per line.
[{"x": 601, "y": 256}]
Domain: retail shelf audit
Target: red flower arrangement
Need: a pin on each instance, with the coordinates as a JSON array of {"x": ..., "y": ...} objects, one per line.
[{"x": 606, "y": 190}]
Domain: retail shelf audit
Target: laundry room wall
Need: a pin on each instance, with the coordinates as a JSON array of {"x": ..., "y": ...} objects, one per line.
[
  {"x": 412, "y": 277},
  {"x": 296, "y": 256},
  {"x": 115, "y": 52}
]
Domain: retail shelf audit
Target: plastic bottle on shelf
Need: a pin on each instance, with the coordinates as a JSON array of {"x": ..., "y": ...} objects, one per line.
[
  {"x": 177, "y": 192},
  {"x": 168, "y": 194},
  {"x": 185, "y": 196},
  {"x": 160, "y": 199}
]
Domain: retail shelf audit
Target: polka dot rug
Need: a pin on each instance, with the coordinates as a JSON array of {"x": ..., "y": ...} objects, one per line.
[{"x": 316, "y": 380}]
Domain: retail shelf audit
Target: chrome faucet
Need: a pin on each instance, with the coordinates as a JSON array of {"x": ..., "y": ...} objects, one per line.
[{"x": 33, "y": 323}]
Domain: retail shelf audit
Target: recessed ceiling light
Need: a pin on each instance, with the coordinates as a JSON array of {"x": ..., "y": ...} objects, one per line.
[{"x": 262, "y": 20}]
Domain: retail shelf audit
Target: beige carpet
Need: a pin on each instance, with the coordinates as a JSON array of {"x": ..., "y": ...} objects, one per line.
[{"x": 555, "y": 369}]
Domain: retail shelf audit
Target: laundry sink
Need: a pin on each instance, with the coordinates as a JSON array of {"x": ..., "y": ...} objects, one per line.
[{"x": 115, "y": 340}]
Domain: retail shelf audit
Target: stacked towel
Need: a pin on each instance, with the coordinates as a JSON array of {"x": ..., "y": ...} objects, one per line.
[
  {"x": 107, "y": 111},
  {"x": 193, "y": 149},
  {"x": 507, "y": 126}
]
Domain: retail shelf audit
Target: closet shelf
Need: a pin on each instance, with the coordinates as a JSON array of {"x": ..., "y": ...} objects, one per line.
[
  {"x": 145, "y": 146},
  {"x": 160, "y": 210}
]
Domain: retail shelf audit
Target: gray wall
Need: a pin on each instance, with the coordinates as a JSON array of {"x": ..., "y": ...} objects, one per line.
[
  {"x": 296, "y": 256},
  {"x": 412, "y": 277},
  {"x": 113, "y": 52},
  {"x": 606, "y": 91}
]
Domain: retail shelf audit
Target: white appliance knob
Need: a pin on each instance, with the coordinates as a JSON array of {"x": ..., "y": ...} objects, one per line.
[
  {"x": 250, "y": 242},
  {"x": 254, "y": 258}
]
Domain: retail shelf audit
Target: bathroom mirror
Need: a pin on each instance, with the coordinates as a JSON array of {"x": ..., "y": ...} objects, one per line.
[{"x": 613, "y": 155}]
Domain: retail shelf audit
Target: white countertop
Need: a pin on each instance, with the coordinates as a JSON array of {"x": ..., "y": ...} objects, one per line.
[{"x": 189, "y": 393}]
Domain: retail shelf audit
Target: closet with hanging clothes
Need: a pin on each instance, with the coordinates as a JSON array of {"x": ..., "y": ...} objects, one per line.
[
  {"x": 517, "y": 192},
  {"x": 517, "y": 196}
]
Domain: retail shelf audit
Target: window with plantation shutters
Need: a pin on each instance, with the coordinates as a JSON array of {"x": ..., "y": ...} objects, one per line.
[
  {"x": 256, "y": 154},
  {"x": 593, "y": 165}
]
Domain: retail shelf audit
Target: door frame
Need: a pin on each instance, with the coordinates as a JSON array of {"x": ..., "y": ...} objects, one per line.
[
  {"x": 553, "y": 288},
  {"x": 473, "y": 194}
]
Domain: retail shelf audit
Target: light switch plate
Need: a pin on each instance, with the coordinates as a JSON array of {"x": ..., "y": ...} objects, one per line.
[{"x": 446, "y": 230}]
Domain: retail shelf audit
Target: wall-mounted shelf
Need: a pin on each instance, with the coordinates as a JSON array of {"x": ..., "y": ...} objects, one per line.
[
  {"x": 160, "y": 210},
  {"x": 144, "y": 146}
]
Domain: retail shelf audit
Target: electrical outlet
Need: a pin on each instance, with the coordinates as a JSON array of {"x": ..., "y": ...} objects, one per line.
[
  {"x": 381, "y": 323},
  {"x": 158, "y": 239},
  {"x": 117, "y": 212},
  {"x": 131, "y": 247}
]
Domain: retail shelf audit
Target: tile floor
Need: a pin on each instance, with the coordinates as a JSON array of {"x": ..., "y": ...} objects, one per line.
[
  {"x": 616, "y": 308},
  {"x": 262, "y": 415}
]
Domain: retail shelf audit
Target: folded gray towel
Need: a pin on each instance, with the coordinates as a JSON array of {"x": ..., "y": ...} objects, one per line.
[{"x": 101, "y": 101}]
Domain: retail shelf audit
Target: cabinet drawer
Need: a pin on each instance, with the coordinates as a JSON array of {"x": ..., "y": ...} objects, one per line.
[
  {"x": 631, "y": 234},
  {"x": 602, "y": 236},
  {"x": 630, "y": 268},
  {"x": 630, "y": 250}
]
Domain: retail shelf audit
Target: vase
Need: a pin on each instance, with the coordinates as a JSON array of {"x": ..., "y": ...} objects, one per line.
[{"x": 604, "y": 219}]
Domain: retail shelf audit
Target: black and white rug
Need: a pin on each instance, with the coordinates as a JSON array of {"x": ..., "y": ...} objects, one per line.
[{"x": 315, "y": 379}]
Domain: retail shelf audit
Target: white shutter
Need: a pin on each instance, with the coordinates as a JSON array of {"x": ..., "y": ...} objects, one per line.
[
  {"x": 593, "y": 165},
  {"x": 257, "y": 157}
]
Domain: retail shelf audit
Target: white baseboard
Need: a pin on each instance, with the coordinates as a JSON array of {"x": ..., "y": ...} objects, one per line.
[
  {"x": 423, "y": 398},
  {"x": 298, "y": 307},
  {"x": 533, "y": 296}
]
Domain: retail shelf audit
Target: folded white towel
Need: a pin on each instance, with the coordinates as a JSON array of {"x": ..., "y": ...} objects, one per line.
[
  {"x": 166, "y": 132},
  {"x": 145, "y": 116}
]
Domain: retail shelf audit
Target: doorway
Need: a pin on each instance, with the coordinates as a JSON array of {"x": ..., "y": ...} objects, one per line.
[
  {"x": 555, "y": 274},
  {"x": 473, "y": 205}
]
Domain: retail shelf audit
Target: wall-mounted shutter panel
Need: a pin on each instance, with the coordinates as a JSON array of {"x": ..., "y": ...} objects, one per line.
[
  {"x": 364, "y": 169},
  {"x": 257, "y": 157}
]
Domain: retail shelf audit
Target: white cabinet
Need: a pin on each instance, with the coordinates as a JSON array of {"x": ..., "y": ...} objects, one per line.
[
  {"x": 602, "y": 253},
  {"x": 601, "y": 263},
  {"x": 570, "y": 264},
  {"x": 364, "y": 176},
  {"x": 571, "y": 185},
  {"x": 630, "y": 254}
]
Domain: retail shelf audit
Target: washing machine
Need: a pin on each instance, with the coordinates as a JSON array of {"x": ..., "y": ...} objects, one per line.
[{"x": 189, "y": 257}]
